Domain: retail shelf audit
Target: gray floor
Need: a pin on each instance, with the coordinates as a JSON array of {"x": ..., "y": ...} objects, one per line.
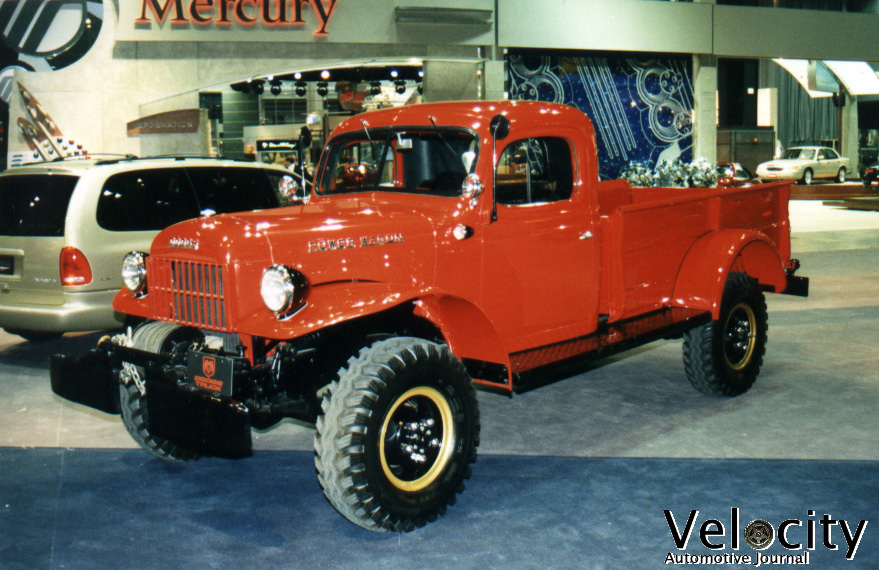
[{"x": 815, "y": 399}]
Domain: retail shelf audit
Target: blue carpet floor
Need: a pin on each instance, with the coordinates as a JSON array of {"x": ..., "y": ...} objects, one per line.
[{"x": 115, "y": 509}]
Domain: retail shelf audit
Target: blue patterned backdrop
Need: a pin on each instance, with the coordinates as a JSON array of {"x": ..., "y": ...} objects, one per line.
[{"x": 642, "y": 109}]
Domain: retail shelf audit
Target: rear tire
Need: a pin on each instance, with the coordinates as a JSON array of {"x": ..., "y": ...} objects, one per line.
[
  {"x": 157, "y": 337},
  {"x": 840, "y": 176},
  {"x": 398, "y": 435},
  {"x": 723, "y": 357}
]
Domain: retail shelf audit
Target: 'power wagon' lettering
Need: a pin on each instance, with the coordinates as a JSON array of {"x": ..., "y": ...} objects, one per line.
[{"x": 348, "y": 243}]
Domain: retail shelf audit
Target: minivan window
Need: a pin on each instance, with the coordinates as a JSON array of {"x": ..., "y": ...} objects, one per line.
[
  {"x": 146, "y": 200},
  {"x": 225, "y": 189},
  {"x": 35, "y": 204}
]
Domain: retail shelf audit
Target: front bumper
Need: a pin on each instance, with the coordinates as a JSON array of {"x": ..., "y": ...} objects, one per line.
[{"x": 212, "y": 424}]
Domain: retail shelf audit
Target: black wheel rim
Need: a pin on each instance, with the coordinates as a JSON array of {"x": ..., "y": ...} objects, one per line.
[
  {"x": 740, "y": 336},
  {"x": 416, "y": 439}
]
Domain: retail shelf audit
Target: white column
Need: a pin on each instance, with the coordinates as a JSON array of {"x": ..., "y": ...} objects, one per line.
[{"x": 705, "y": 107}]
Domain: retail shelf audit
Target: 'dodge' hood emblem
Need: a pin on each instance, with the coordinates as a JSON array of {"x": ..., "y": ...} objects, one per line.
[{"x": 184, "y": 243}]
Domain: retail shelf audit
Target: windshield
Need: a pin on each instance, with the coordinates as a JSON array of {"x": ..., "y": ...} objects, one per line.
[
  {"x": 35, "y": 204},
  {"x": 415, "y": 160},
  {"x": 799, "y": 154}
]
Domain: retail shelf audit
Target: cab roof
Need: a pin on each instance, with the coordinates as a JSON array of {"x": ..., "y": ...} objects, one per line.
[{"x": 474, "y": 115}]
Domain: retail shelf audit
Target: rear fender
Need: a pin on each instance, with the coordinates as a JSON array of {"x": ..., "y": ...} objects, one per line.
[{"x": 705, "y": 269}]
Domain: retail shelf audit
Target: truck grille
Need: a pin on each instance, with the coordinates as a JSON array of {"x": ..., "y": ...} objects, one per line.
[{"x": 188, "y": 293}]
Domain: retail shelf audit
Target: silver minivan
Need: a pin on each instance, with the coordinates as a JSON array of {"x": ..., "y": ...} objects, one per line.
[{"x": 66, "y": 226}]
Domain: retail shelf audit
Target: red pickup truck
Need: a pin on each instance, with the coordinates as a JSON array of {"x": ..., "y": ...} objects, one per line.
[{"x": 443, "y": 245}]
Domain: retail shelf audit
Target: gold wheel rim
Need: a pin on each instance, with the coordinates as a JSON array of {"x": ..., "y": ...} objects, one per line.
[
  {"x": 740, "y": 332},
  {"x": 435, "y": 399}
]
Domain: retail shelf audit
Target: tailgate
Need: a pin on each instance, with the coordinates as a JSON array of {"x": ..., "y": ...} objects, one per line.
[{"x": 29, "y": 272}]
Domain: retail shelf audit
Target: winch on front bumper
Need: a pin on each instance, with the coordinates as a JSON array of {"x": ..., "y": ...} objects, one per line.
[{"x": 200, "y": 405}]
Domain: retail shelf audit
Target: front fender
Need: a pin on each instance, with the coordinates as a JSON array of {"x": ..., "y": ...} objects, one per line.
[
  {"x": 467, "y": 330},
  {"x": 706, "y": 266},
  {"x": 326, "y": 305},
  {"x": 470, "y": 335}
]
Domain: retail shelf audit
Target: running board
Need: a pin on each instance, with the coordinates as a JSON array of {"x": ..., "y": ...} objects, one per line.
[{"x": 546, "y": 364}]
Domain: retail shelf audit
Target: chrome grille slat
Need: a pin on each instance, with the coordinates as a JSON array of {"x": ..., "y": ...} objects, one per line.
[{"x": 188, "y": 293}]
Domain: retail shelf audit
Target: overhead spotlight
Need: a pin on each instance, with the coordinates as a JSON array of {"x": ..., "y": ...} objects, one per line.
[
  {"x": 394, "y": 74},
  {"x": 400, "y": 86},
  {"x": 421, "y": 88},
  {"x": 300, "y": 88},
  {"x": 276, "y": 87},
  {"x": 323, "y": 88},
  {"x": 257, "y": 86},
  {"x": 297, "y": 76},
  {"x": 375, "y": 87},
  {"x": 421, "y": 73},
  {"x": 325, "y": 75}
]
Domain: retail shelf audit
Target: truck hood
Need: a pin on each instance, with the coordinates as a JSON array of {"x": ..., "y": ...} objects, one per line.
[{"x": 352, "y": 239}]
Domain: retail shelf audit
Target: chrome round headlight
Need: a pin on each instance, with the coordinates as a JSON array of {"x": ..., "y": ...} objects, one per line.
[
  {"x": 134, "y": 273},
  {"x": 282, "y": 289}
]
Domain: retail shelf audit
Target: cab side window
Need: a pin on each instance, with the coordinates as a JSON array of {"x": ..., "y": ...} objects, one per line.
[
  {"x": 533, "y": 171},
  {"x": 146, "y": 200}
]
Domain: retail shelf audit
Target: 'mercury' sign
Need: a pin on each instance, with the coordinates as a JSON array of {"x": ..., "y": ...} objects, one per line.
[{"x": 246, "y": 13}]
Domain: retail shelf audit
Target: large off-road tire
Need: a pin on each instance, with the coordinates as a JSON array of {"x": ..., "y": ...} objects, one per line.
[
  {"x": 723, "y": 357},
  {"x": 160, "y": 338},
  {"x": 398, "y": 435}
]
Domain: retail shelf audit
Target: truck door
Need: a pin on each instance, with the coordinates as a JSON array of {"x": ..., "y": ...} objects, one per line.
[{"x": 541, "y": 258}]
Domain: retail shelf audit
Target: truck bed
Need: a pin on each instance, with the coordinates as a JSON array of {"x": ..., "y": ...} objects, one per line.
[{"x": 648, "y": 231}]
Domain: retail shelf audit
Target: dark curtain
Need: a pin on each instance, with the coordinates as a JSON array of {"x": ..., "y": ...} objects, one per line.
[{"x": 801, "y": 119}]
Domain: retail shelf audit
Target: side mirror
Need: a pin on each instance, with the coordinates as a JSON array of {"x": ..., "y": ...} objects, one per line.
[
  {"x": 499, "y": 127},
  {"x": 304, "y": 137}
]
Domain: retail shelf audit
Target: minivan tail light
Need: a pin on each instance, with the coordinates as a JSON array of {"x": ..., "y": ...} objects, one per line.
[{"x": 75, "y": 269}]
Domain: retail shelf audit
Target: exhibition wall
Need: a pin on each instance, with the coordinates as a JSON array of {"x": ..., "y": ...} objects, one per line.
[{"x": 154, "y": 56}]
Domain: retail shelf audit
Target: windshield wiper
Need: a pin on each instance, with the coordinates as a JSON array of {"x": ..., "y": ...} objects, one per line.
[{"x": 442, "y": 138}]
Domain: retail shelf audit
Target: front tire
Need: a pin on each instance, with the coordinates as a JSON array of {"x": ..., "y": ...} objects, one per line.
[
  {"x": 398, "y": 435},
  {"x": 807, "y": 177},
  {"x": 160, "y": 338},
  {"x": 723, "y": 357}
]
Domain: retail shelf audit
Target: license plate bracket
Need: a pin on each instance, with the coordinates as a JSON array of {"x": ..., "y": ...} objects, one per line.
[{"x": 210, "y": 372}]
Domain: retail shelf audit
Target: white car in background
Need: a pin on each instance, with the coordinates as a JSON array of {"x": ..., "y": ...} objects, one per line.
[{"x": 806, "y": 163}]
